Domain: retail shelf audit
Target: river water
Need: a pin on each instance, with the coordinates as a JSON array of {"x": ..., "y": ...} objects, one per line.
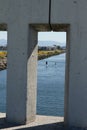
[{"x": 50, "y": 86}]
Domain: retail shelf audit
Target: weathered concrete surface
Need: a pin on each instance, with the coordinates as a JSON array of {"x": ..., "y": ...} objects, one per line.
[
  {"x": 40, "y": 123},
  {"x": 4, "y": 9},
  {"x": 24, "y": 19},
  {"x": 22, "y": 58},
  {"x": 73, "y": 13}
]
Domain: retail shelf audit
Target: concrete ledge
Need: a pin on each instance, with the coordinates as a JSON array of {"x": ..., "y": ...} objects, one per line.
[{"x": 41, "y": 123}]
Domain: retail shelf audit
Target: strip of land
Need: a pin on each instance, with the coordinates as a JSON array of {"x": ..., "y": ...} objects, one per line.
[
  {"x": 45, "y": 54},
  {"x": 3, "y": 60},
  {"x": 41, "y": 55}
]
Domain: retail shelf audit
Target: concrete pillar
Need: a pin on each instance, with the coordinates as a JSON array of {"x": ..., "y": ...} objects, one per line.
[
  {"x": 17, "y": 73},
  {"x": 73, "y": 13},
  {"x": 32, "y": 75},
  {"x": 78, "y": 69},
  {"x": 22, "y": 58},
  {"x": 21, "y": 74}
]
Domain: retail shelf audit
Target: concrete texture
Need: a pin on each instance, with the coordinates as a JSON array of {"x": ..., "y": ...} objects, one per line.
[
  {"x": 73, "y": 13},
  {"x": 22, "y": 58},
  {"x": 23, "y": 19},
  {"x": 40, "y": 123}
]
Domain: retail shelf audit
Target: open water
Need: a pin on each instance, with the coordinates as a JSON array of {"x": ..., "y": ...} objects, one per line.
[{"x": 50, "y": 86}]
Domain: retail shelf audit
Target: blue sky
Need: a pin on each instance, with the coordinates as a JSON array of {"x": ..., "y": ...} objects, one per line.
[
  {"x": 52, "y": 36},
  {"x": 44, "y": 36},
  {"x": 3, "y": 35}
]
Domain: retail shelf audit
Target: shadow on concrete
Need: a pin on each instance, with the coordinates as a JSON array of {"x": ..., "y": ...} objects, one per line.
[
  {"x": 52, "y": 126},
  {"x": 4, "y": 124}
]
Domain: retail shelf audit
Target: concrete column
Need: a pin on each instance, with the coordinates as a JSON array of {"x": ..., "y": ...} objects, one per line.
[
  {"x": 17, "y": 73},
  {"x": 22, "y": 57},
  {"x": 74, "y": 13},
  {"x": 32, "y": 75},
  {"x": 21, "y": 74},
  {"x": 74, "y": 79},
  {"x": 78, "y": 70}
]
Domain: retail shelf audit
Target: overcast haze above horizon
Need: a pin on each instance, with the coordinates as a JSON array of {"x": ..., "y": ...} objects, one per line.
[{"x": 59, "y": 37}]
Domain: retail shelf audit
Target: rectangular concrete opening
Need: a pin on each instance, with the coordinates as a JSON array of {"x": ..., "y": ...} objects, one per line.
[
  {"x": 3, "y": 66},
  {"x": 51, "y": 74},
  {"x": 28, "y": 62},
  {"x": 33, "y": 40}
]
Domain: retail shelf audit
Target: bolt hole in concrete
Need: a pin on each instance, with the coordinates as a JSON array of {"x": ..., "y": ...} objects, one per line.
[{"x": 51, "y": 73}]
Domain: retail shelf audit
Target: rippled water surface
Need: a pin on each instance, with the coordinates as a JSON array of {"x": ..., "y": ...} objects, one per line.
[
  {"x": 51, "y": 78},
  {"x": 3, "y": 91},
  {"x": 50, "y": 90}
]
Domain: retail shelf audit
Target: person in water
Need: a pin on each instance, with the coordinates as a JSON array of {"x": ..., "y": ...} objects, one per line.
[{"x": 46, "y": 63}]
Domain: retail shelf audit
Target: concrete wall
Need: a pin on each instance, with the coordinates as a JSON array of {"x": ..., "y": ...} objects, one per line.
[
  {"x": 22, "y": 42},
  {"x": 24, "y": 19},
  {"x": 74, "y": 13}
]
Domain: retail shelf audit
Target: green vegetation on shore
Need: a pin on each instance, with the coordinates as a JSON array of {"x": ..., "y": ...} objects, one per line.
[
  {"x": 3, "y": 60},
  {"x": 42, "y": 54},
  {"x": 45, "y": 54}
]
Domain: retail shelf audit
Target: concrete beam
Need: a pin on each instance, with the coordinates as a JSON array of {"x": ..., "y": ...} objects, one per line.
[
  {"x": 4, "y": 11},
  {"x": 63, "y": 12},
  {"x": 29, "y": 11}
]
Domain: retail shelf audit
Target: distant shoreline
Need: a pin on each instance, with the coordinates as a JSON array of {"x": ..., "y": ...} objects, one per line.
[
  {"x": 3, "y": 63},
  {"x": 3, "y": 60},
  {"x": 47, "y": 56}
]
